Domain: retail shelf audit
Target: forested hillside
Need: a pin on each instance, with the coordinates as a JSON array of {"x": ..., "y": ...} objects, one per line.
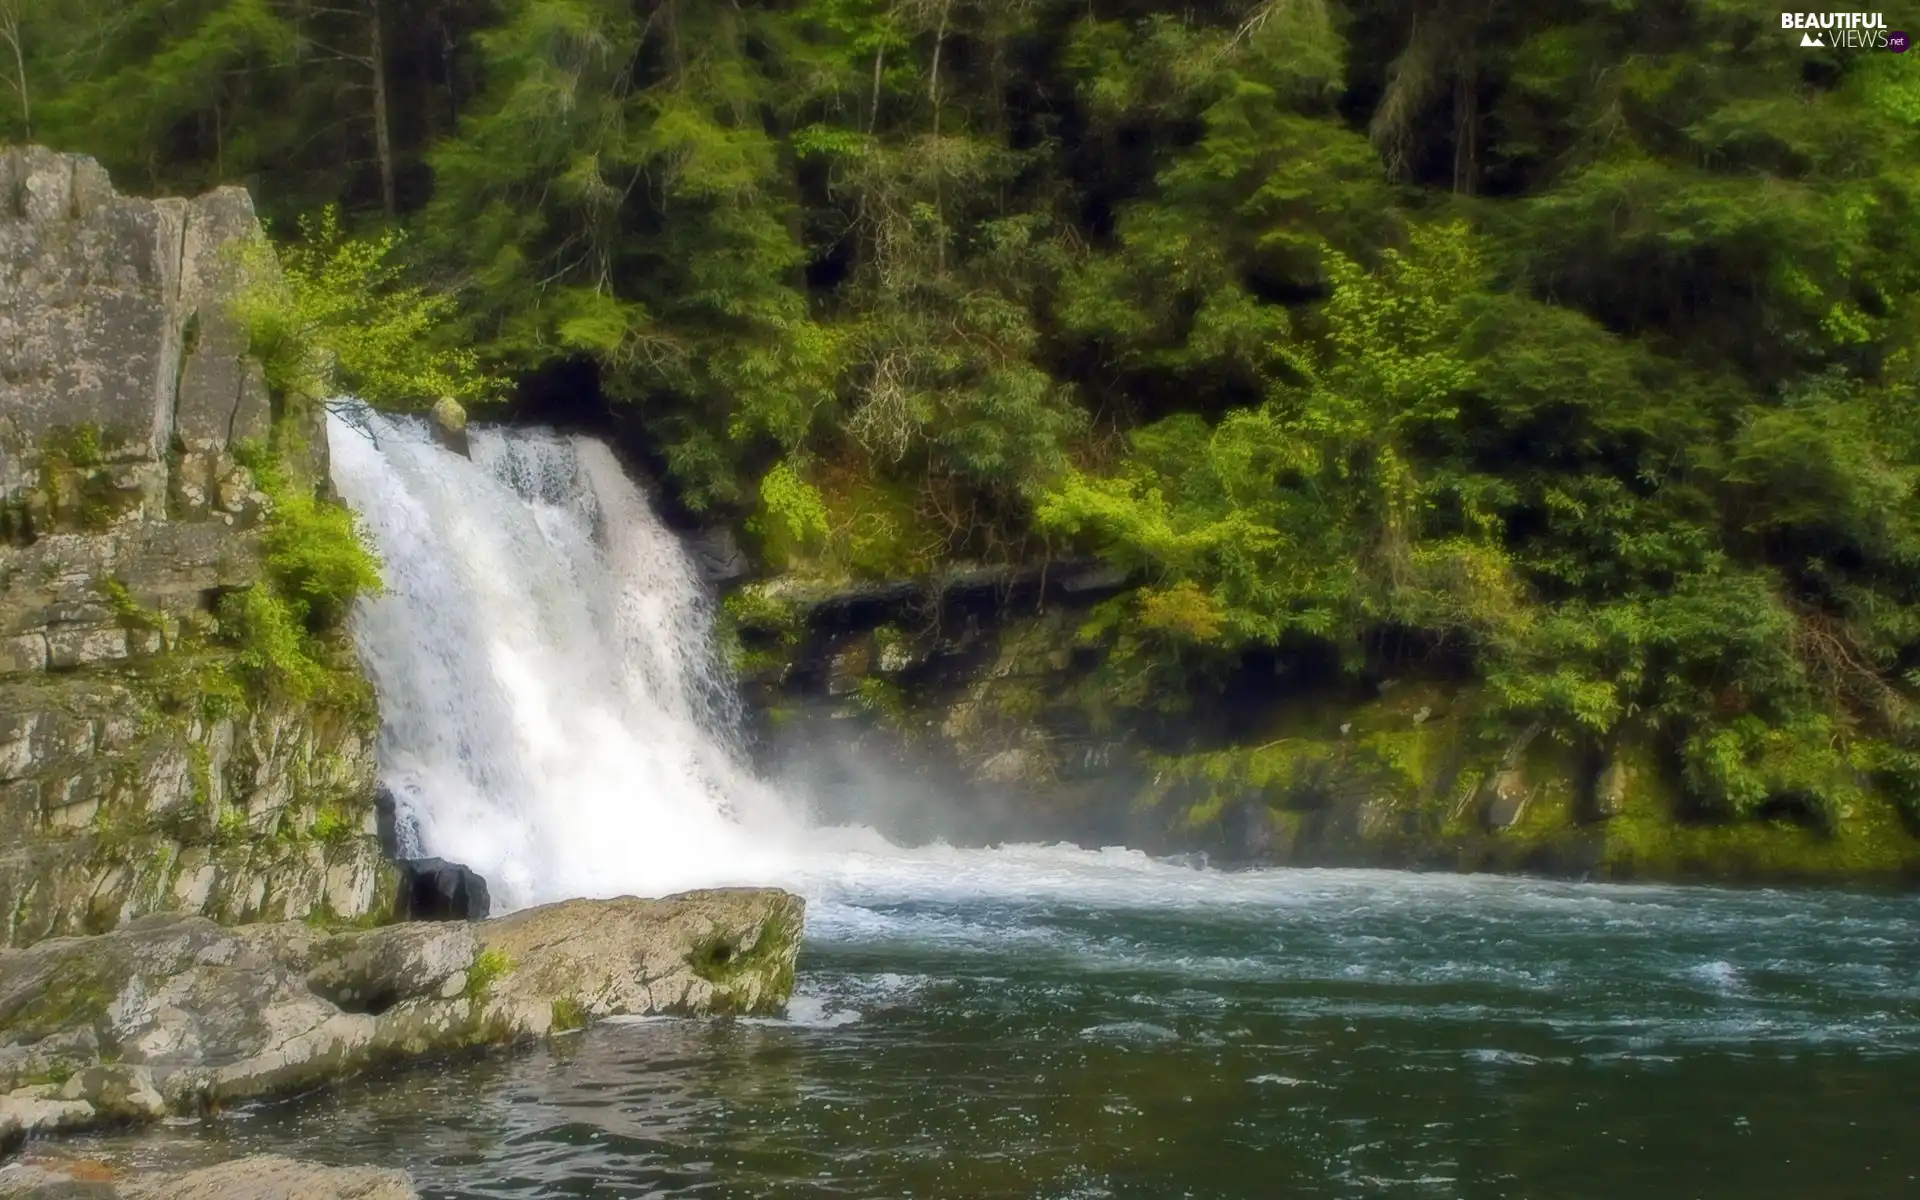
[{"x": 1574, "y": 341}]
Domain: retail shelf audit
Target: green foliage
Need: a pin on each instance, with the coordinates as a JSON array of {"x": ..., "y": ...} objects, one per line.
[
  {"x": 792, "y": 518},
  {"x": 333, "y": 314},
  {"x": 314, "y": 552},
  {"x": 1577, "y": 342},
  {"x": 1303, "y": 513},
  {"x": 315, "y": 564}
]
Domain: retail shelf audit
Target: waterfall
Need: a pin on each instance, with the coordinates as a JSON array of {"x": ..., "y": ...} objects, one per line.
[{"x": 552, "y": 712}]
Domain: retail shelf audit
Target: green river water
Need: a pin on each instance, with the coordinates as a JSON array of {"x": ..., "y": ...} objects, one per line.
[{"x": 1054, "y": 1023}]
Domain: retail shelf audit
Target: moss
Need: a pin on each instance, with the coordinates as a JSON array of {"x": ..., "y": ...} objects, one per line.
[
  {"x": 758, "y": 608},
  {"x": 1408, "y": 756},
  {"x": 53, "y": 1076},
  {"x": 488, "y": 966},
  {"x": 127, "y": 610},
  {"x": 884, "y": 699},
  {"x": 723, "y": 963},
  {"x": 75, "y": 482},
  {"x": 333, "y": 825},
  {"x": 77, "y": 993},
  {"x": 231, "y": 829},
  {"x": 81, "y": 445},
  {"x": 1283, "y": 772},
  {"x": 568, "y": 1015},
  {"x": 892, "y": 648},
  {"x": 759, "y": 629},
  {"x": 200, "y": 769}
]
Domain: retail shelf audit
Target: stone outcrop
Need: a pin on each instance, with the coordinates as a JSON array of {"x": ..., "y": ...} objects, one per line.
[
  {"x": 126, "y": 402},
  {"x": 257, "y": 1177},
  {"x": 433, "y": 889},
  {"x": 176, "y": 1014}
]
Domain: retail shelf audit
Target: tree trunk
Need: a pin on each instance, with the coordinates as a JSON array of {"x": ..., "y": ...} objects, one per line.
[
  {"x": 1466, "y": 128},
  {"x": 382, "y": 140},
  {"x": 10, "y": 30},
  {"x": 933, "y": 94}
]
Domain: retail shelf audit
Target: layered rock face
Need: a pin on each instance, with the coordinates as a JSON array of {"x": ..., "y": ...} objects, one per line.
[
  {"x": 125, "y": 397},
  {"x": 178, "y": 1015}
]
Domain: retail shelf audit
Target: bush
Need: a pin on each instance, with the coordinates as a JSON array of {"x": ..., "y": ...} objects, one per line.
[{"x": 334, "y": 314}]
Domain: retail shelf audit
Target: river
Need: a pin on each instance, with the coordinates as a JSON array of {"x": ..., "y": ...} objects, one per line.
[{"x": 1050, "y": 1023}]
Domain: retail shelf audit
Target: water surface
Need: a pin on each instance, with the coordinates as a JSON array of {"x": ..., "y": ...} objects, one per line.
[{"x": 1048, "y": 1023}]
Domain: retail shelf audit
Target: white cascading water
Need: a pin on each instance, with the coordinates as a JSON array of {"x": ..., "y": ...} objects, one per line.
[
  {"x": 554, "y": 717},
  {"x": 552, "y": 712}
]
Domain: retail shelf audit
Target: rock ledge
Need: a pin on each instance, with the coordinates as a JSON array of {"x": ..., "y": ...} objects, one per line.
[{"x": 177, "y": 1015}]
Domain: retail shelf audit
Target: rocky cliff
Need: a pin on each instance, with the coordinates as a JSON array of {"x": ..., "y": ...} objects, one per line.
[
  {"x": 983, "y": 690},
  {"x": 129, "y": 782}
]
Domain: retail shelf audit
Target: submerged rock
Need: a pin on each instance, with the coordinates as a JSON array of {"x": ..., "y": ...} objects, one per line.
[
  {"x": 178, "y": 1015},
  {"x": 433, "y": 889},
  {"x": 259, "y": 1177}
]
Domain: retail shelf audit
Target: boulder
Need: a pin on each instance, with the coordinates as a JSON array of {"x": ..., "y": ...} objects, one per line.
[
  {"x": 175, "y": 1014},
  {"x": 259, "y": 1177},
  {"x": 448, "y": 421},
  {"x": 433, "y": 889}
]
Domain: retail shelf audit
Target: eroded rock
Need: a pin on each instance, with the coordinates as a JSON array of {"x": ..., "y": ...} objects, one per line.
[{"x": 179, "y": 1015}]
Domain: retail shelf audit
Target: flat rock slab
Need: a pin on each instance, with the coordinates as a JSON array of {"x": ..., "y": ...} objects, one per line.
[
  {"x": 261, "y": 1177},
  {"x": 178, "y": 1015}
]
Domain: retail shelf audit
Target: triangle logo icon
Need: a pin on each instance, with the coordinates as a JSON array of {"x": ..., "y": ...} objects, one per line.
[{"x": 1812, "y": 39}]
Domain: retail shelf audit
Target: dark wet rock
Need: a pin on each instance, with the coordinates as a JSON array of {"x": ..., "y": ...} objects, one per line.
[
  {"x": 386, "y": 820},
  {"x": 1250, "y": 831},
  {"x": 718, "y": 557},
  {"x": 433, "y": 889},
  {"x": 177, "y": 1015}
]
